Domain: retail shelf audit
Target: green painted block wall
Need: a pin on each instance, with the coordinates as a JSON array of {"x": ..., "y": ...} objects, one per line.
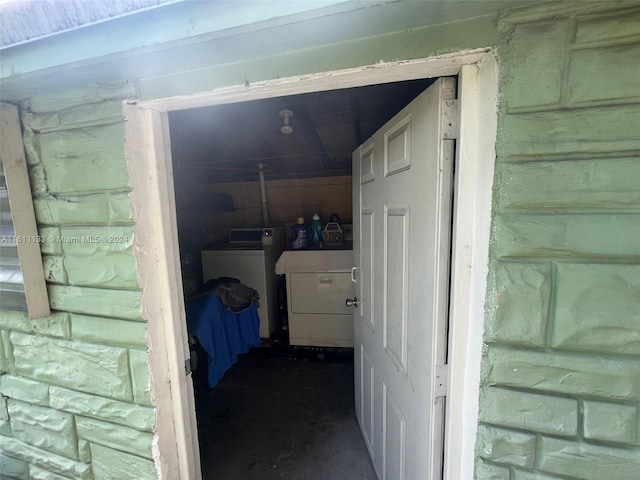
[
  {"x": 559, "y": 389},
  {"x": 560, "y": 386},
  {"x": 74, "y": 386}
]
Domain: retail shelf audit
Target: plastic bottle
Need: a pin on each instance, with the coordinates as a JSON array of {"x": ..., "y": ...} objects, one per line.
[
  {"x": 300, "y": 235},
  {"x": 316, "y": 230}
]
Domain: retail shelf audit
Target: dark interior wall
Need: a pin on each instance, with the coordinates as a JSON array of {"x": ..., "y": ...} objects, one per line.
[
  {"x": 287, "y": 200},
  {"x": 204, "y": 217}
]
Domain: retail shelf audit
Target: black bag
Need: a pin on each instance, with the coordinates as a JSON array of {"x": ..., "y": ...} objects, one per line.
[{"x": 234, "y": 295}]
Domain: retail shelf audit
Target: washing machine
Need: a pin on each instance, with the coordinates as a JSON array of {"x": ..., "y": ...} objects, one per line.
[{"x": 250, "y": 255}]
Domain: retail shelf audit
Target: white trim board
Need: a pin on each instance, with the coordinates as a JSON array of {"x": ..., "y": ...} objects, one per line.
[
  {"x": 157, "y": 256},
  {"x": 384, "y": 72},
  {"x": 149, "y": 162},
  {"x": 27, "y": 237}
]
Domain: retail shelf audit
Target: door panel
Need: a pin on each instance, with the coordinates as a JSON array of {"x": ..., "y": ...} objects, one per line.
[
  {"x": 397, "y": 147},
  {"x": 366, "y": 160},
  {"x": 396, "y": 276},
  {"x": 366, "y": 397},
  {"x": 402, "y": 179},
  {"x": 394, "y": 432},
  {"x": 367, "y": 270}
]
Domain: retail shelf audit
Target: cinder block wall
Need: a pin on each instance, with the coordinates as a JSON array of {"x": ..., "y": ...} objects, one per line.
[
  {"x": 561, "y": 375},
  {"x": 74, "y": 389}
]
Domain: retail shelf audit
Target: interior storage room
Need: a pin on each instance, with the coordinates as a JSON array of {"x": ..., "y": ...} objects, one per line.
[{"x": 274, "y": 396}]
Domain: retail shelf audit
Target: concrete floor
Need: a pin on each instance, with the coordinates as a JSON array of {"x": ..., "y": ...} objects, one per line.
[{"x": 282, "y": 418}]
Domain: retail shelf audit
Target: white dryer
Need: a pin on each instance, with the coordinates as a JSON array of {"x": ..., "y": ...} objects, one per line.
[{"x": 318, "y": 285}]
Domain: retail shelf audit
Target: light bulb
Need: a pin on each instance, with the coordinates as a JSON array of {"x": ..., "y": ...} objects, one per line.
[{"x": 286, "y": 128}]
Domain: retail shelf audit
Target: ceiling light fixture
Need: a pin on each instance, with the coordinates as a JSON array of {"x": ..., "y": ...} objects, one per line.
[{"x": 286, "y": 115}]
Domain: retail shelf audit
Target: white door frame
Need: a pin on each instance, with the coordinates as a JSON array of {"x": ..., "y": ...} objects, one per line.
[{"x": 157, "y": 254}]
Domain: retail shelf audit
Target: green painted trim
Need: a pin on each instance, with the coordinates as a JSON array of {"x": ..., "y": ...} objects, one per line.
[
  {"x": 152, "y": 29},
  {"x": 30, "y": 72}
]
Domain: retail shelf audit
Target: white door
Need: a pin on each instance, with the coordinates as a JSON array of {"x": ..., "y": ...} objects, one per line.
[{"x": 402, "y": 179}]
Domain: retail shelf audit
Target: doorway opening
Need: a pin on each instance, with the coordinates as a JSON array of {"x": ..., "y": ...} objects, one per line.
[
  {"x": 159, "y": 264},
  {"x": 240, "y": 170}
]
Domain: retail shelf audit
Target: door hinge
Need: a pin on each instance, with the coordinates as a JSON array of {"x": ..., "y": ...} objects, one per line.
[
  {"x": 450, "y": 122},
  {"x": 441, "y": 383},
  {"x": 187, "y": 366}
]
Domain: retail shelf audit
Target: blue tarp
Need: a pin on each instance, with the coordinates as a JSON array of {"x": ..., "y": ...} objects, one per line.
[{"x": 222, "y": 333}]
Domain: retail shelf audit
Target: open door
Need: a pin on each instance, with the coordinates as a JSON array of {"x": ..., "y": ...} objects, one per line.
[{"x": 402, "y": 181}]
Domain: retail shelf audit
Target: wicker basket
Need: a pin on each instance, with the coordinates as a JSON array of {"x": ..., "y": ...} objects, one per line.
[{"x": 332, "y": 235}]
